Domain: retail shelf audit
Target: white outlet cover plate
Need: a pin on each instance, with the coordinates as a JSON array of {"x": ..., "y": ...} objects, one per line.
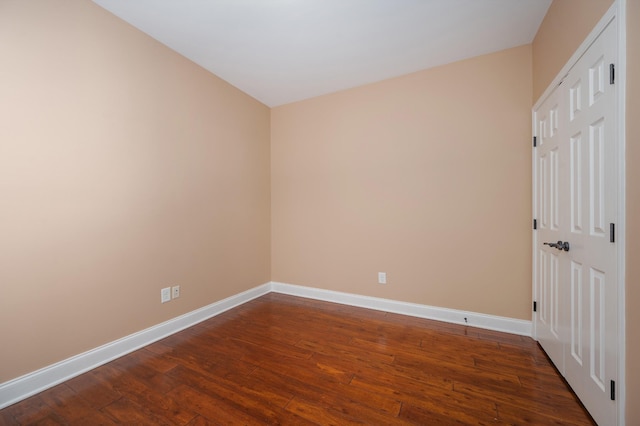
[{"x": 165, "y": 295}]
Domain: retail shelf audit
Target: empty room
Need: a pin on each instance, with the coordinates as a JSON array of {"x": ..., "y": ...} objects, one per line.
[{"x": 319, "y": 212}]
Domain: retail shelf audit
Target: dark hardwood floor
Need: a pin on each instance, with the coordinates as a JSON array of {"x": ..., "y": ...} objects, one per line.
[{"x": 286, "y": 360}]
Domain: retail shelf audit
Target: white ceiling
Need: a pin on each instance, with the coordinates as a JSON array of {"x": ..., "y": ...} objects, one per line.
[{"x": 281, "y": 51}]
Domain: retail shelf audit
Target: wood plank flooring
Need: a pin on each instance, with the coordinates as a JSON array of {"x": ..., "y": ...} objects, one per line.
[{"x": 285, "y": 360}]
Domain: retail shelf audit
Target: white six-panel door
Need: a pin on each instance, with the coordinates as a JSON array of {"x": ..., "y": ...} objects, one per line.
[{"x": 576, "y": 187}]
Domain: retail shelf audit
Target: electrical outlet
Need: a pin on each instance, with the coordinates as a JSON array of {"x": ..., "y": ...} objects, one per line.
[
  {"x": 165, "y": 295},
  {"x": 382, "y": 277},
  {"x": 175, "y": 291}
]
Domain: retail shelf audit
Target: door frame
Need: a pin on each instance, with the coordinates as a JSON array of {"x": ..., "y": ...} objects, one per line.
[{"x": 616, "y": 11}]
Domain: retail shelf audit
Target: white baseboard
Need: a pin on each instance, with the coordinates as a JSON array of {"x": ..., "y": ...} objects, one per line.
[
  {"x": 30, "y": 384},
  {"x": 25, "y": 386},
  {"x": 474, "y": 319}
]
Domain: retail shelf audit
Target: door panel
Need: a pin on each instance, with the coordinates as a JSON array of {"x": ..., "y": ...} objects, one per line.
[
  {"x": 593, "y": 199},
  {"x": 577, "y": 304},
  {"x": 550, "y": 269},
  {"x": 576, "y": 152}
]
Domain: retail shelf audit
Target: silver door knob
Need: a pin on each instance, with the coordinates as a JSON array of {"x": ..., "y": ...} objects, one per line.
[{"x": 560, "y": 245}]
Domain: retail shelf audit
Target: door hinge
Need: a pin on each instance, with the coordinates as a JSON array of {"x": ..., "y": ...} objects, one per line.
[
  {"x": 535, "y": 223},
  {"x": 535, "y": 141},
  {"x": 613, "y": 390},
  {"x": 612, "y": 74},
  {"x": 535, "y": 306},
  {"x": 612, "y": 232}
]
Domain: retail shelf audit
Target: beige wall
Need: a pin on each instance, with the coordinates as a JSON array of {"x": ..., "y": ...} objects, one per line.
[
  {"x": 566, "y": 25},
  {"x": 426, "y": 177},
  {"x": 124, "y": 168}
]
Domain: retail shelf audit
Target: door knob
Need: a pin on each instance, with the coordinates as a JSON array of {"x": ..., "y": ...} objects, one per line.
[{"x": 560, "y": 245}]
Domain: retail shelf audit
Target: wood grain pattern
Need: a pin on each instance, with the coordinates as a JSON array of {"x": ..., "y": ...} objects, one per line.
[{"x": 286, "y": 360}]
